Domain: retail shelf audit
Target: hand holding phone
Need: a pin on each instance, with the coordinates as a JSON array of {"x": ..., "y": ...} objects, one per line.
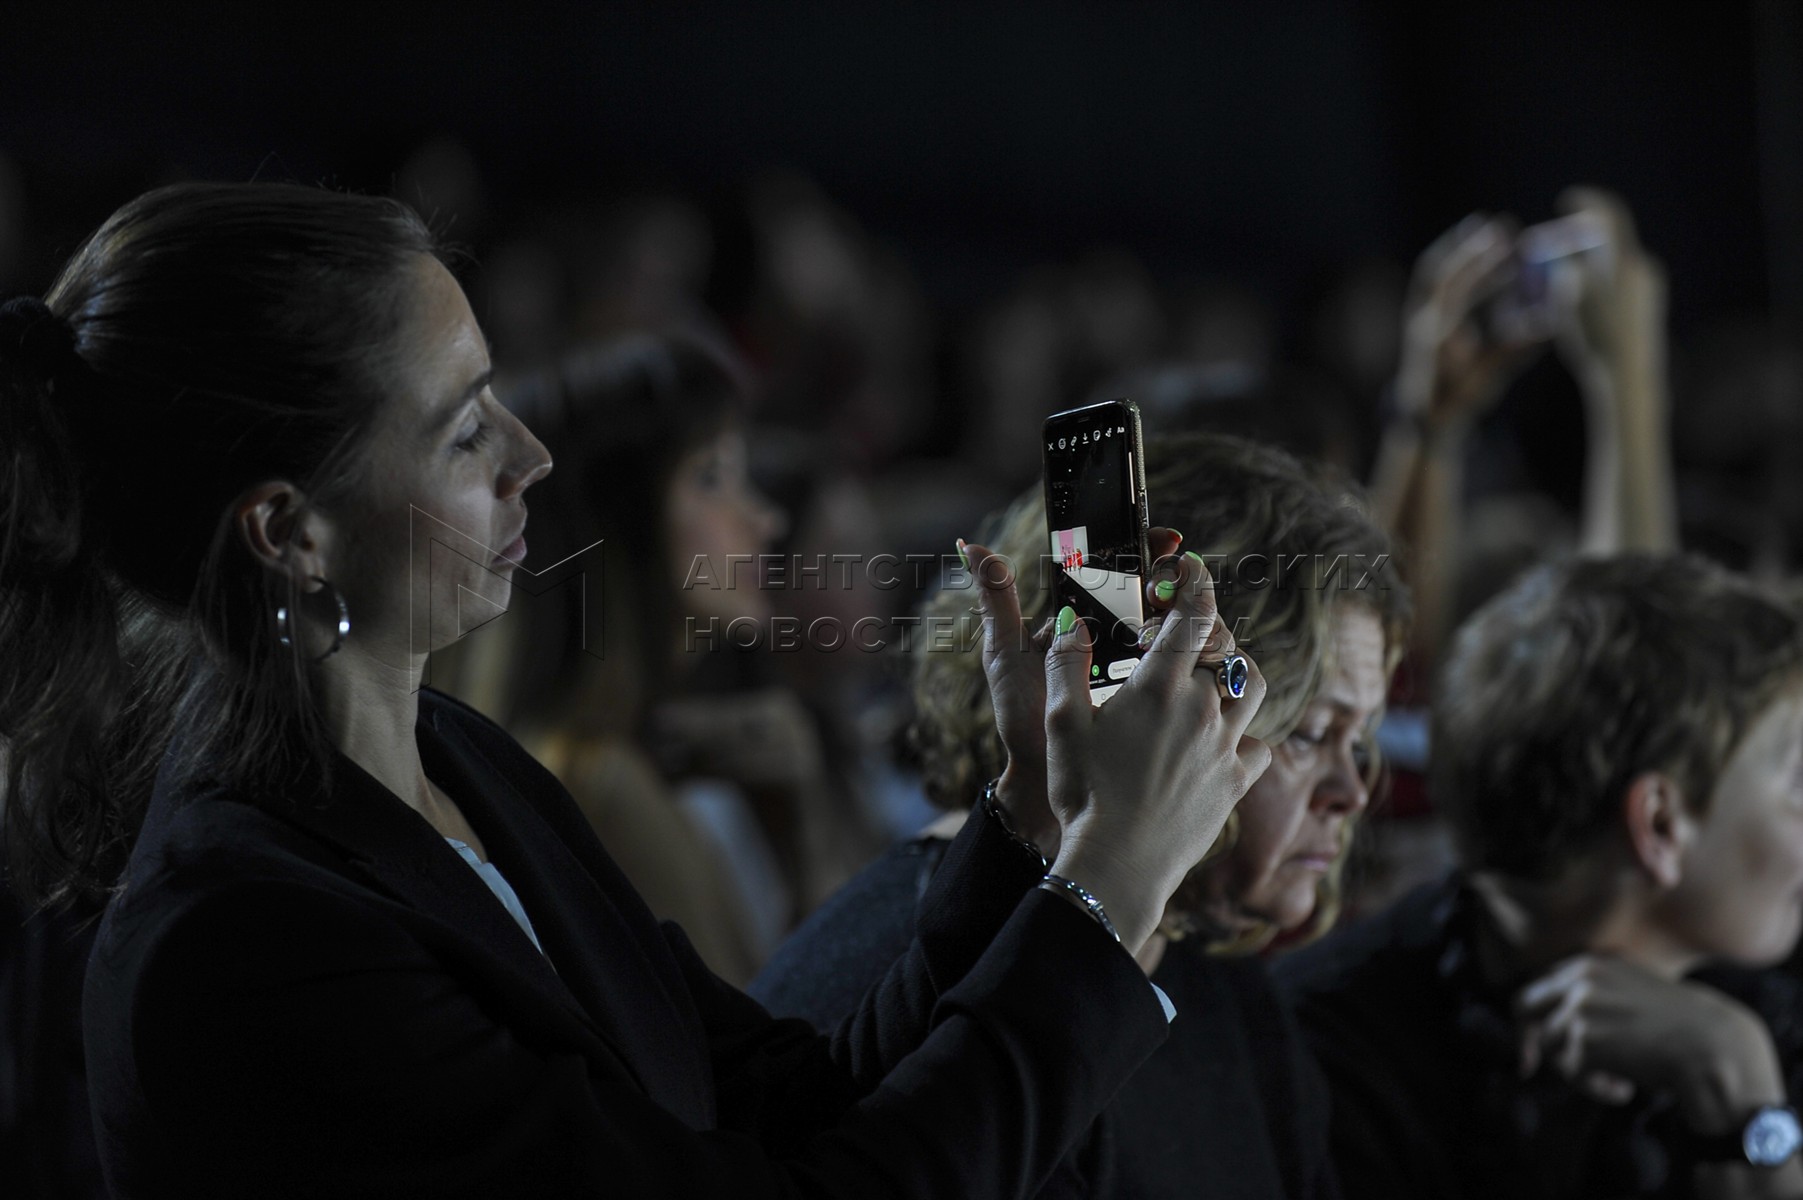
[
  {"x": 1544, "y": 282},
  {"x": 1614, "y": 341},
  {"x": 1014, "y": 664},
  {"x": 1143, "y": 785},
  {"x": 1464, "y": 336}
]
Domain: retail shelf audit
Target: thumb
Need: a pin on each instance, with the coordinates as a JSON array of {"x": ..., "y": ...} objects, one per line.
[
  {"x": 1606, "y": 207},
  {"x": 1068, "y": 711}
]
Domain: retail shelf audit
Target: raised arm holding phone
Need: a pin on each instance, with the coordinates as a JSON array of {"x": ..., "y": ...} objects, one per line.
[
  {"x": 1486, "y": 299},
  {"x": 363, "y": 944}
]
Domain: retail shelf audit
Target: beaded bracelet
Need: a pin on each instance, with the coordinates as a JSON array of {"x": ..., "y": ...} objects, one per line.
[
  {"x": 999, "y": 815},
  {"x": 1057, "y": 883}
]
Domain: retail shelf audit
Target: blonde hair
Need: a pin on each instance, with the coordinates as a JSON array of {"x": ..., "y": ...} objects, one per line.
[{"x": 1288, "y": 544}]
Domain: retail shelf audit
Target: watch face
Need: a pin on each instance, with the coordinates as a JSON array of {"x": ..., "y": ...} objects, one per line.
[{"x": 1771, "y": 1137}]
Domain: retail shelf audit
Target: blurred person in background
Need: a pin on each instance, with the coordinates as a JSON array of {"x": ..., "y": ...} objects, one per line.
[
  {"x": 1218, "y": 371},
  {"x": 835, "y": 324},
  {"x": 1618, "y": 743},
  {"x": 1603, "y": 310},
  {"x": 1231, "y": 1105},
  {"x": 1062, "y": 331},
  {"x": 1279, "y": 405},
  {"x": 714, "y": 794},
  {"x": 645, "y": 270},
  {"x": 578, "y": 270},
  {"x": 1017, "y": 376},
  {"x": 1116, "y": 317},
  {"x": 1354, "y": 333},
  {"x": 1775, "y": 993},
  {"x": 1226, "y": 332},
  {"x": 857, "y": 440}
]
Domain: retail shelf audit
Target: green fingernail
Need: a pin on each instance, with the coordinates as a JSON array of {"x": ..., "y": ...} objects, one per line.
[
  {"x": 963, "y": 557},
  {"x": 1194, "y": 555},
  {"x": 1067, "y": 620},
  {"x": 1164, "y": 589}
]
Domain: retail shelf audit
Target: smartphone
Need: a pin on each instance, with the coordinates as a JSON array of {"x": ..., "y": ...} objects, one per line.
[
  {"x": 1095, "y": 503},
  {"x": 1529, "y": 309}
]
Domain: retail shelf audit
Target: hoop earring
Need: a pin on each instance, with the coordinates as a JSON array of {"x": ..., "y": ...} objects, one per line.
[{"x": 283, "y": 635}]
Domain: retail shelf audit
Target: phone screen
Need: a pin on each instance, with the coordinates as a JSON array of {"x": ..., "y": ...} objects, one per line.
[
  {"x": 1096, "y": 516},
  {"x": 1531, "y": 307}
]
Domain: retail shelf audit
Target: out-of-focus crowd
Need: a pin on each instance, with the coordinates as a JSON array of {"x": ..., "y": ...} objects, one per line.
[
  {"x": 866, "y": 423},
  {"x": 768, "y": 443}
]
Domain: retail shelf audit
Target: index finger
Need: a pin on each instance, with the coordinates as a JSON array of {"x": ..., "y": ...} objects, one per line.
[
  {"x": 1477, "y": 268},
  {"x": 1428, "y": 264},
  {"x": 996, "y": 598},
  {"x": 1162, "y": 541}
]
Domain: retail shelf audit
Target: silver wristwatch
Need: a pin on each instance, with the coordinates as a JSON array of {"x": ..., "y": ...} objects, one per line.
[{"x": 1770, "y": 1137}]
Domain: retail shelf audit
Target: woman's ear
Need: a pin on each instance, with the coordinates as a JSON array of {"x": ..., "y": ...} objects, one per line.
[
  {"x": 1660, "y": 826},
  {"x": 276, "y": 525}
]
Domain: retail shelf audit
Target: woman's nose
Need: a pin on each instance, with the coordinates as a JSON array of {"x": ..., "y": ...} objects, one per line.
[
  {"x": 1343, "y": 789},
  {"x": 531, "y": 462}
]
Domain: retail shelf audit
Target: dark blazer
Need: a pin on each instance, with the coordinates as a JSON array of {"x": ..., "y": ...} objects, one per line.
[
  {"x": 46, "y": 1134},
  {"x": 1230, "y": 1107},
  {"x": 329, "y": 1002}
]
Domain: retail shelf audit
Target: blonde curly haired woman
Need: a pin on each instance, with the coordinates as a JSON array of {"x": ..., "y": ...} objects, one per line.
[{"x": 1303, "y": 578}]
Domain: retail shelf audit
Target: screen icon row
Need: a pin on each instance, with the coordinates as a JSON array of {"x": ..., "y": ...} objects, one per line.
[{"x": 1088, "y": 437}]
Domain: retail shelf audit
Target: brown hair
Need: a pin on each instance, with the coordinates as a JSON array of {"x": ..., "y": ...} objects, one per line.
[
  {"x": 1586, "y": 673},
  {"x": 1287, "y": 543},
  {"x": 206, "y": 337},
  {"x": 623, "y": 413}
]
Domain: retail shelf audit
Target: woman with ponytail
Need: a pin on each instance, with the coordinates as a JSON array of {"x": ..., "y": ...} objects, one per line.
[{"x": 357, "y": 941}]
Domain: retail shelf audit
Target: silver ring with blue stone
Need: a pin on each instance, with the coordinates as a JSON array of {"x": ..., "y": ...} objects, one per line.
[{"x": 1231, "y": 674}]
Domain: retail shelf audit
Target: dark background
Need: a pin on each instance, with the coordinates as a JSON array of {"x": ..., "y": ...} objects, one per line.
[
  {"x": 1273, "y": 144},
  {"x": 1263, "y": 141}
]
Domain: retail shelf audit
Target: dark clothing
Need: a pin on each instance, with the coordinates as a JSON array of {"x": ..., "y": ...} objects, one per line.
[
  {"x": 328, "y": 1001},
  {"x": 46, "y": 1135},
  {"x": 823, "y": 969},
  {"x": 1422, "y": 1059},
  {"x": 1228, "y": 1107}
]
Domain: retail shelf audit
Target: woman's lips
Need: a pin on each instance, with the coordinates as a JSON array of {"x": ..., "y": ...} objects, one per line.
[
  {"x": 514, "y": 553},
  {"x": 1316, "y": 862}
]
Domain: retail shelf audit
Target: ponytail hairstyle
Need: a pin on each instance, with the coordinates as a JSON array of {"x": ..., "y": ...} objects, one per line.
[{"x": 206, "y": 338}]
